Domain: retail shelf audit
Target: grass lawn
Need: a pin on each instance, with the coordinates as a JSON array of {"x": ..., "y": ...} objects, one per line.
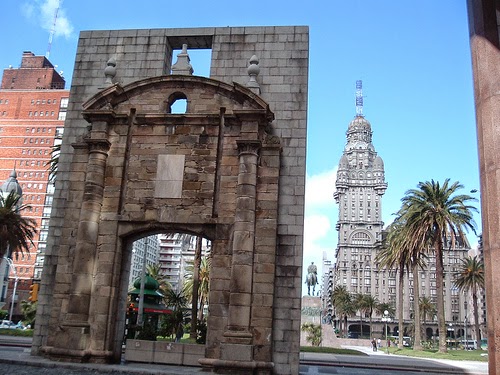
[
  {"x": 16, "y": 332},
  {"x": 457, "y": 355}
]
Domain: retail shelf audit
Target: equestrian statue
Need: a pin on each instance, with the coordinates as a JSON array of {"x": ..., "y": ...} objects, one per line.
[{"x": 311, "y": 278}]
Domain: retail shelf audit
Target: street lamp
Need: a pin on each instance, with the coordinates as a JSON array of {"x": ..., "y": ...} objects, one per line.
[
  {"x": 386, "y": 318},
  {"x": 465, "y": 333},
  {"x": 16, "y": 278},
  {"x": 452, "y": 333}
]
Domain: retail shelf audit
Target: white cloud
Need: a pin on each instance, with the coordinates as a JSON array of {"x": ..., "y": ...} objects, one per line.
[
  {"x": 319, "y": 235},
  {"x": 320, "y": 188},
  {"x": 42, "y": 12}
]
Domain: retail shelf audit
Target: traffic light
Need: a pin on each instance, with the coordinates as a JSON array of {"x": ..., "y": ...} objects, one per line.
[{"x": 34, "y": 292}]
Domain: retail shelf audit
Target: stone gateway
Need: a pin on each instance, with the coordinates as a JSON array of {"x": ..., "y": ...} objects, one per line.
[{"x": 230, "y": 168}]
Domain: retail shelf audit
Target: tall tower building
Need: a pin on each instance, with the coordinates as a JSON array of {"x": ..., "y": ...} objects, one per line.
[
  {"x": 360, "y": 186},
  {"x": 33, "y": 105}
]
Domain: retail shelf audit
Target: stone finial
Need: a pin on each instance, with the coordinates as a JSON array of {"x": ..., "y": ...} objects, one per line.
[
  {"x": 110, "y": 70},
  {"x": 253, "y": 71},
  {"x": 182, "y": 66}
]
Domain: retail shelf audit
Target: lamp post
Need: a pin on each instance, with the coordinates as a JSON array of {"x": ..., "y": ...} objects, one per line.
[
  {"x": 386, "y": 318},
  {"x": 465, "y": 333},
  {"x": 451, "y": 332},
  {"x": 16, "y": 278},
  {"x": 140, "y": 309}
]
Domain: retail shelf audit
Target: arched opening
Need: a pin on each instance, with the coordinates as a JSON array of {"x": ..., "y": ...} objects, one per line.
[
  {"x": 162, "y": 293},
  {"x": 177, "y": 103}
]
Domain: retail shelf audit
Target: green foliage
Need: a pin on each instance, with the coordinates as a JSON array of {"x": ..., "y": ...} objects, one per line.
[
  {"x": 29, "y": 312},
  {"x": 16, "y": 332},
  {"x": 155, "y": 271},
  {"x": 313, "y": 333},
  {"x": 381, "y": 307},
  {"x": 4, "y": 314},
  {"x": 16, "y": 232},
  {"x": 434, "y": 216},
  {"x": 457, "y": 355},
  {"x": 201, "y": 332},
  {"x": 148, "y": 332}
]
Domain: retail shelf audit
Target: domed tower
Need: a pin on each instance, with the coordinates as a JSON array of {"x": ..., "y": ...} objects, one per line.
[{"x": 360, "y": 186}]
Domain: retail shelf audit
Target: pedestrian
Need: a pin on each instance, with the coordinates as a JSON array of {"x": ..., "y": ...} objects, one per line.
[
  {"x": 374, "y": 345},
  {"x": 379, "y": 343},
  {"x": 179, "y": 333}
]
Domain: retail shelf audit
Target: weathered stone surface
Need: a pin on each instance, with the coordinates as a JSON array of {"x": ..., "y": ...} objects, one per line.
[{"x": 129, "y": 167}]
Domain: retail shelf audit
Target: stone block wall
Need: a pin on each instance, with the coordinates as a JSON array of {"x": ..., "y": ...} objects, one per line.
[{"x": 141, "y": 54}]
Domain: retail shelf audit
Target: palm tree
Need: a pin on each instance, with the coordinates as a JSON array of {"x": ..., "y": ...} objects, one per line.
[
  {"x": 155, "y": 271},
  {"x": 358, "y": 300},
  {"x": 394, "y": 255},
  {"x": 313, "y": 333},
  {"x": 470, "y": 277},
  {"x": 187, "y": 239},
  {"x": 53, "y": 163},
  {"x": 427, "y": 308},
  {"x": 203, "y": 283},
  {"x": 16, "y": 231},
  {"x": 432, "y": 213},
  {"x": 177, "y": 301},
  {"x": 369, "y": 304},
  {"x": 343, "y": 304},
  {"x": 195, "y": 290},
  {"x": 384, "y": 306}
]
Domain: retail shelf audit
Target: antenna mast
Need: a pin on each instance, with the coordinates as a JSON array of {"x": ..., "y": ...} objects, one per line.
[
  {"x": 52, "y": 30},
  {"x": 359, "y": 98}
]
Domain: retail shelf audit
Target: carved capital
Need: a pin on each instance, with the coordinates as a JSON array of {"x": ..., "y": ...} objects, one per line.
[{"x": 248, "y": 147}]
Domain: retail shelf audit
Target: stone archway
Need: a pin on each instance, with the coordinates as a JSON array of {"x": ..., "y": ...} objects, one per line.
[
  {"x": 232, "y": 168},
  {"x": 209, "y": 172}
]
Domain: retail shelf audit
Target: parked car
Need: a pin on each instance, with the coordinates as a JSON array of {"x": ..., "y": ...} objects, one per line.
[{"x": 7, "y": 324}]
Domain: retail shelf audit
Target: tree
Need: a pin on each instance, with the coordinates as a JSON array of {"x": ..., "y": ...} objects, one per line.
[
  {"x": 53, "y": 163},
  {"x": 155, "y": 271},
  {"x": 187, "y": 239},
  {"x": 395, "y": 255},
  {"x": 29, "y": 313},
  {"x": 342, "y": 301},
  {"x": 203, "y": 283},
  {"x": 313, "y": 333},
  {"x": 195, "y": 290},
  {"x": 368, "y": 304},
  {"x": 427, "y": 308},
  {"x": 470, "y": 277},
  {"x": 383, "y": 307},
  {"x": 177, "y": 301},
  {"x": 16, "y": 231},
  {"x": 432, "y": 213}
]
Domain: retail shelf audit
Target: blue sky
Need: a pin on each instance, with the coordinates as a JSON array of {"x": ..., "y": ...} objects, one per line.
[{"x": 413, "y": 57}]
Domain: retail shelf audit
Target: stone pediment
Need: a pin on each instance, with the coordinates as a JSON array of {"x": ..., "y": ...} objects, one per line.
[{"x": 203, "y": 95}]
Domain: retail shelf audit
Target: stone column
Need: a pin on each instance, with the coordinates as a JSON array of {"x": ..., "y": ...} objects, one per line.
[
  {"x": 88, "y": 229},
  {"x": 240, "y": 298},
  {"x": 484, "y": 41}
]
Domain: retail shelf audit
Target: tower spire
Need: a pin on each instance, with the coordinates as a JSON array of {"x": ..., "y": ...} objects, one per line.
[
  {"x": 359, "y": 98},
  {"x": 52, "y": 30}
]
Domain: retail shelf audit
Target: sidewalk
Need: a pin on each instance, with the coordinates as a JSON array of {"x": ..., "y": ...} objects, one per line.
[
  {"x": 374, "y": 360},
  {"x": 381, "y": 359}
]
